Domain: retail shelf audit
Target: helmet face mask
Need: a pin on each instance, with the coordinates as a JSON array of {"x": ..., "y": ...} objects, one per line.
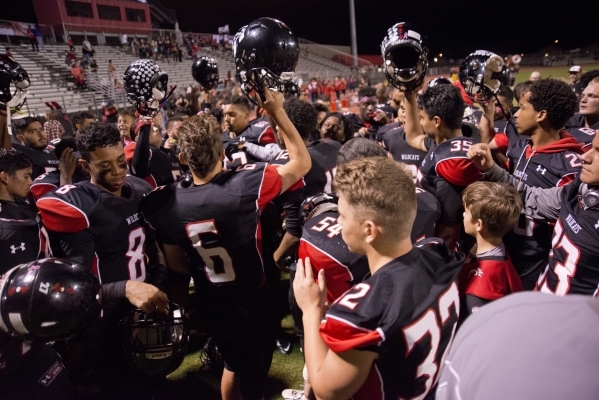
[
  {"x": 48, "y": 299},
  {"x": 266, "y": 53},
  {"x": 14, "y": 81},
  {"x": 316, "y": 205},
  {"x": 156, "y": 344},
  {"x": 146, "y": 86},
  {"x": 405, "y": 57},
  {"x": 205, "y": 71},
  {"x": 481, "y": 74}
]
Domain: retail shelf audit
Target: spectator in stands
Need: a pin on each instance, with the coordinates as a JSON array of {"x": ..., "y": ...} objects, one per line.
[
  {"x": 32, "y": 40},
  {"x": 575, "y": 84},
  {"x": 124, "y": 125},
  {"x": 82, "y": 119},
  {"x": 70, "y": 58},
  {"x": 87, "y": 49},
  {"x": 52, "y": 127},
  {"x": 112, "y": 71},
  {"x": 110, "y": 113},
  {"x": 93, "y": 66},
  {"x": 351, "y": 83},
  {"x": 70, "y": 43},
  {"x": 135, "y": 46},
  {"x": 313, "y": 90},
  {"x": 124, "y": 41},
  {"x": 78, "y": 74},
  {"x": 179, "y": 52},
  {"x": 8, "y": 52}
]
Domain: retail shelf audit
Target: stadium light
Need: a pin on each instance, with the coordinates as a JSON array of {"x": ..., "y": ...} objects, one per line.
[
  {"x": 435, "y": 59},
  {"x": 354, "y": 41},
  {"x": 556, "y": 40},
  {"x": 440, "y": 54}
]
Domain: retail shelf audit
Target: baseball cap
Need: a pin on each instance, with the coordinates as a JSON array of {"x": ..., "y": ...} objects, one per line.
[{"x": 575, "y": 69}]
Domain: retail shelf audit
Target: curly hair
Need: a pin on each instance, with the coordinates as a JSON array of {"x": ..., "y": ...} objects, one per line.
[
  {"x": 201, "y": 143},
  {"x": 359, "y": 148},
  {"x": 555, "y": 97},
  {"x": 12, "y": 161},
  {"x": 366, "y": 91},
  {"x": 348, "y": 131},
  {"x": 302, "y": 115},
  {"x": 81, "y": 116},
  {"x": 497, "y": 205},
  {"x": 67, "y": 142},
  {"x": 445, "y": 102},
  {"x": 96, "y": 135},
  {"x": 381, "y": 189}
]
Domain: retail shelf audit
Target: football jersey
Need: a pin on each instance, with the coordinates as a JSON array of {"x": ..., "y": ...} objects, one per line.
[
  {"x": 489, "y": 278},
  {"x": 43, "y": 160},
  {"x": 102, "y": 231},
  {"x": 576, "y": 127},
  {"x": 164, "y": 168},
  {"x": 394, "y": 141},
  {"x": 382, "y": 131},
  {"x": 50, "y": 181},
  {"x": 217, "y": 224},
  {"x": 357, "y": 123},
  {"x": 258, "y": 132},
  {"x": 549, "y": 166},
  {"x": 445, "y": 172},
  {"x": 323, "y": 154},
  {"x": 406, "y": 312},
  {"x": 22, "y": 236},
  {"x": 572, "y": 267}
]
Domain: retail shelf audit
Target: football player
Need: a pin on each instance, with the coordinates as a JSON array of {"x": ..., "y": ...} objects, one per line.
[
  {"x": 386, "y": 336},
  {"x": 211, "y": 231},
  {"x": 370, "y": 118},
  {"x": 22, "y": 236},
  {"x": 82, "y": 119},
  {"x": 446, "y": 170},
  {"x": 585, "y": 123},
  {"x": 545, "y": 156},
  {"x": 574, "y": 208},
  {"x": 98, "y": 225},
  {"x": 237, "y": 121},
  {"x": 34, "y": 143}
]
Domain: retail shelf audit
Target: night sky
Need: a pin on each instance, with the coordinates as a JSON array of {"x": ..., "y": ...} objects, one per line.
[{"x": 453, "y": 27}]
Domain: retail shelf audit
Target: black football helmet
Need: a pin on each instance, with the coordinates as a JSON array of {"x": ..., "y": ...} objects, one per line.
[
  {"x": 316, "y": 205},
  {"x": 156, "y": 344},
  {"x": 146, "y": 86},
  {"x": 438, "y": 81},
  {"x": 265, "y": 51},
  {"x": 205, "y": 71},
  {"x": 481, "y": 74},
  {"x": 404, "y": 54},
  {"x": 210, "y": 356},
  {"x": 48, "y": 299},
  {"x": 12, "y": 74}
]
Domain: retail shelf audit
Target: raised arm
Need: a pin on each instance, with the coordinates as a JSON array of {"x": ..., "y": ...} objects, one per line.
[{"x": 414, "y": 134}]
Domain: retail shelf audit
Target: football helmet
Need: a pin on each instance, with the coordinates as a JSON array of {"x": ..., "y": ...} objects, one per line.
[
  {"x": 404, "y": 55},
  {"x": 317, "y": 204},
  {"x": 211, "y": 357},
  {"x": 265, "y": 51},
  {"x": 438, "y": 81},
  {"x": 156, "y": 344},
  {"x": 146, "y": 86},
  {"x": 48, "y": 299},
  {"x": 205, "y": 71},
  {"x": 481, "y": 74}
]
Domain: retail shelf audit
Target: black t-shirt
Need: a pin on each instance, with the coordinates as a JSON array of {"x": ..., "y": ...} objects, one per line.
[{"x": 406, "y": 312}]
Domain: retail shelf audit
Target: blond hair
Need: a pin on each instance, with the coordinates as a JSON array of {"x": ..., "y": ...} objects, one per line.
[
  {"x": 497, "y": 205},
  {"x": 201, "y": 143},
  {"x": 381, "y": 189}
]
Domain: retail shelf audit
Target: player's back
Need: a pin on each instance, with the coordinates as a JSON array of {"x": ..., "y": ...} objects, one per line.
[
  {"x": 43, "y": 160},
  {"x": 217, "y": 224},
  {"x": 406, "y": 312}
]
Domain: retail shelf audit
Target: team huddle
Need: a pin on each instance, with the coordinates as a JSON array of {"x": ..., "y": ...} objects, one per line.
[{"x": 399, "y": 225}]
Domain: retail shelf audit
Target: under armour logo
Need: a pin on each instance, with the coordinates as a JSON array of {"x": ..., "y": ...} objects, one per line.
[
  {"x": 13, "y": 248},
  {"x": 541, "y": 170},
  {"x": 46, "y": 379}
]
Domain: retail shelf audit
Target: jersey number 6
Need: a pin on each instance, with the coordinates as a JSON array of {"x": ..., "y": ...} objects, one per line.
[{"x": 218, "y": 263}]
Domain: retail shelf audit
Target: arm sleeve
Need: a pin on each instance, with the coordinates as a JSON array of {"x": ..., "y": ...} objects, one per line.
[
  {"x": 292, "y": 201},
  {"x": 78, "y": 247},
  {"x": 450, "y": 199},
  {"x": 140, "y": 164},
  {"x": 266, "y": 153},
  {"x": 113, "y": 293},
  {"x": 538, "y": 203},
  {"x": 270, "y": 187}
]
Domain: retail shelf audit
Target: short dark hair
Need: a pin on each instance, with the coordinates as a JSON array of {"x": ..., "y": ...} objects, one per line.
[
  {"x": 505, "y": 91},
  {"x": 12, "y": 161},
  {"x": 555, "y": 97},
  {"x": 81, "y": 116},
  {"x": 21, "y": 125},
  {"x": 172, "y": 120},
  {"x": 201, "y": 143},
  {"x": 217, "y": 112},
  {"x": 445, "y": 102},
  {"x": 302, "y": 115},
  {"x": 520, "y": 89},
  {"x": 320, "y": 107},
  {"x": 239, "y": 100},
  {"x": 127, "y": 113},
  {"x": 67, "y": 142},
  {"x": 96, "y": 135},
  {"x": 359, "y": 148},
  {"x": 587, "y": 77},
  {"x": 366, "y": 91}
]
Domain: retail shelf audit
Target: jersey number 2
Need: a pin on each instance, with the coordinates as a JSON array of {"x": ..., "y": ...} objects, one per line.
[{"x": 218, "y": 263}]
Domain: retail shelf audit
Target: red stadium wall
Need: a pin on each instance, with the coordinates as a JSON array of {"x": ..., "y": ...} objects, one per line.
[{"x": 54, "y": 12}]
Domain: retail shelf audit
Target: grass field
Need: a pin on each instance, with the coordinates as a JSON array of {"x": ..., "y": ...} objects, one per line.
[{"x": 560, "y": 72}]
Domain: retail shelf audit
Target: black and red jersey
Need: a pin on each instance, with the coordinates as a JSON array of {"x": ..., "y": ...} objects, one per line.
[
  {"x": 43, "y": 160},
  {"x": 164, "y": 167},
  {"x": 489, "y": 278},
  {"x": 322, "y": 243},
  {"x": 50, "y": 181},
  {"x": 394, "y": 141},
  {"x": 576, "y": 127},
  {"x": 406, "y": 312},
  {"x": 23, "y": 238},
  {"x": 102, "y": 231},
  {"x": 323, "y": 154},
  {"x": 572, "y": 267},
  {"x": 549, "y": 166},
  {"x": 258, "y": 132},
  {"x": 445, "y": 172},
  {"x": 217, "y": 224}
]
